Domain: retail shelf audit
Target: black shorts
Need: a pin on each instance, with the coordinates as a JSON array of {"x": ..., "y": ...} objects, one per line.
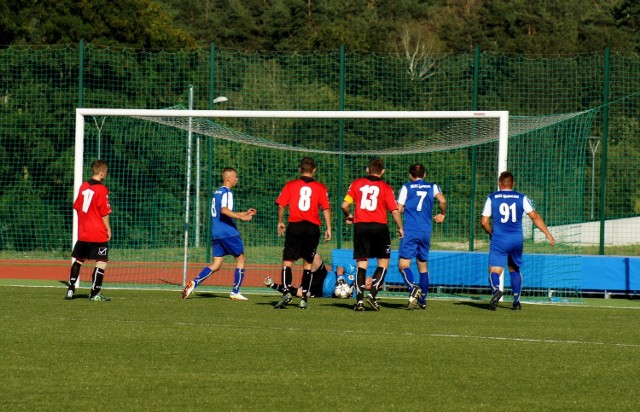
[
  {"x": 371, "y": 240},
  {"x": 301, "y": 241},
  {"x": 317, "y": 282},
  {"x": 98, "y": 251}
]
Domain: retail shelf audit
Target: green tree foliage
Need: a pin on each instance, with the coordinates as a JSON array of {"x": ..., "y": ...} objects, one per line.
[
  {"x": 130, "y": 23},
  {"x": 515, "y": 26}
]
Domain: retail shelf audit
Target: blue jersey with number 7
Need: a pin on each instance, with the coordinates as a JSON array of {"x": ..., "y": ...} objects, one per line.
[{"x": 506, "y": 208}]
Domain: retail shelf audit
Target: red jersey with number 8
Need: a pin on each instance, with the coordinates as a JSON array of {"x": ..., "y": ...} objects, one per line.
[
  {"x": 372, "y": 197},
  {"x": 92, "y": 204},
  {"x": 304, "y": 196}
]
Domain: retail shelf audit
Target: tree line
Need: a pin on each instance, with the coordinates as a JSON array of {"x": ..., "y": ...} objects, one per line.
[{"x": 398, "y": 26}]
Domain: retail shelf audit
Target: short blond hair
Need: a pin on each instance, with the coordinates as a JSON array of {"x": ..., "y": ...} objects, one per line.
[{"x": 99, "y": 166}]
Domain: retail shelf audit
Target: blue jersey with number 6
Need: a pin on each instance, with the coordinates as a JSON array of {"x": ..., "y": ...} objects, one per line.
[
  {"x": 222, "y": 226},
  {"x": 506, "y": 208}
]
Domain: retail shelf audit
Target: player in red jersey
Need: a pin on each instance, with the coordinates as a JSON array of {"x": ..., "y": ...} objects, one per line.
[
  {"x": 304, "y": 197},
  {"x": 372, "y": 198},
  {"x": 94, "y": 231}
]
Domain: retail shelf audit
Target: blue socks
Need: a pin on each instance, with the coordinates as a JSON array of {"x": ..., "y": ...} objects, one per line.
[
  {"x": 424, "y": 284},
  {"x": 238, "y": 276},
  {"x": 516, "y": 285},
  {"x": 494, "y": 282},
  {"x": 204, "y": 273},
  {"x": 407, "y": 276}
]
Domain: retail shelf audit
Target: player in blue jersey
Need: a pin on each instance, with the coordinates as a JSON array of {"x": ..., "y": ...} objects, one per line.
[
  {"x": 225, "y": 237},
  {"x": 502, "y": 220},
  {"x": 415, "y": 202}
]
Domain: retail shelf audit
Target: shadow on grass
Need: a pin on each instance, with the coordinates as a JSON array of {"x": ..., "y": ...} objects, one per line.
[
  {"x": 484, "y": 305},
  {"x": 393, "y": 305},
  {"x": 206, "y": 295}
]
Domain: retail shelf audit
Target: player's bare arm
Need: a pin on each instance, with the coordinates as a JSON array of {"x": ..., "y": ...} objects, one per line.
[
  {"x": 281, "y": 226},
  {"x": 327, "y": 220},
  {"x": 539, "y": 222},
  {"x": 486, "y": 224},
  {"x": 397, "y": 217},
  {"x": 442, "y": 201},
  {"x": 246, "y": 216},
  {"x": 346, "y": 206},
  {"x": 105, "y": 219}
]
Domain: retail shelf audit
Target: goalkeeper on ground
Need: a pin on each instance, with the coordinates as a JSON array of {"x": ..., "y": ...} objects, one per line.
[{"x": 323, "y": 282}]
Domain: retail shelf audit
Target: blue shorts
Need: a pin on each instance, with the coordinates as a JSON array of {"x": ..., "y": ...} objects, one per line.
[
  {"x": 506, "y": 254},
  {"x": 414, "y": 247},
  {"x": 227, "y": 246}
]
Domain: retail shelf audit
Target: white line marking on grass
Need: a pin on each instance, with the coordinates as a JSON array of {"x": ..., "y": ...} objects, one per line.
[
  {"x": 431, "y": 335},
  {"x": 557, "y": 341}
]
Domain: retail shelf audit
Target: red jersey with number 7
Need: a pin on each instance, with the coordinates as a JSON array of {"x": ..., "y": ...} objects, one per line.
[
  {"x": 372, "y": 197},
  {"x": 304, "y": 196},
  {"x": 91, "y": 205}
]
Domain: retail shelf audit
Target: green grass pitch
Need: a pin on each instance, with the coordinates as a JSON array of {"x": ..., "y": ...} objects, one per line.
[{"x": 149, "y": 350}]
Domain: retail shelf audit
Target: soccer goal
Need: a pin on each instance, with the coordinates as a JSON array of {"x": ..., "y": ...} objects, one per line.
[{"x": 164, "y": 165}]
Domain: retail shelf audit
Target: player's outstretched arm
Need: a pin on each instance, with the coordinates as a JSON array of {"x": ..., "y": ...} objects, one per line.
[
  {"x": 539, "y": 222},
  {"x": 246, "y": 216}
]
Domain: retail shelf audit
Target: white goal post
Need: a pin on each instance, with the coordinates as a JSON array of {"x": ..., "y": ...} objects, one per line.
[{"x": 81, "y": 113}]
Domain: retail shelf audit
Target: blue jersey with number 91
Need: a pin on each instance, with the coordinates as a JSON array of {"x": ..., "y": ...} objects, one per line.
[
  {"x": 506, "y": 208},
  {"x": 222, "y": 226}
]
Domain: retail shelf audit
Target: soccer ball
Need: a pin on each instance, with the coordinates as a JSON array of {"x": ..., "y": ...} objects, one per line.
[{"x": 343, "y": 291}]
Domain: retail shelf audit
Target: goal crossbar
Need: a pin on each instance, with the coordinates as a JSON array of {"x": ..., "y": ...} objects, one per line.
[{"x": 295, "y": 114}]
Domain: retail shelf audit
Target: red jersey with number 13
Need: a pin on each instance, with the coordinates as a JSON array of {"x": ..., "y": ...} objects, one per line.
[
  {"x": 92, "y": 204},
  {"x": 372, "y": 197},
  {"x": 304, "y": 196}
]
